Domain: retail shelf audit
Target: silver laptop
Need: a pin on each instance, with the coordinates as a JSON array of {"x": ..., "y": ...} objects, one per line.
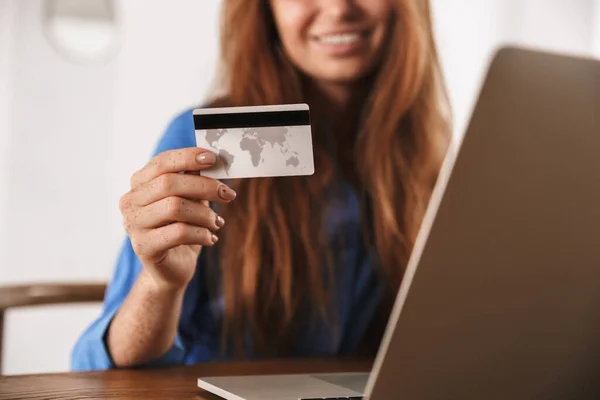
[{"x": 501, "y": 298}]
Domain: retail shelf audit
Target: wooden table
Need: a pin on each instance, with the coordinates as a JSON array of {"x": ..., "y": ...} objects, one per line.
[{"x": 170, "y": 383}]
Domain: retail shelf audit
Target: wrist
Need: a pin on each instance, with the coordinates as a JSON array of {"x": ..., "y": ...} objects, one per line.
[{"x": 159, "y": 287}]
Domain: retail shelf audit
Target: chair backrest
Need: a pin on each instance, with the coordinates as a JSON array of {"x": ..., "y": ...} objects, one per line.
[{"x": 18, "y": 296}]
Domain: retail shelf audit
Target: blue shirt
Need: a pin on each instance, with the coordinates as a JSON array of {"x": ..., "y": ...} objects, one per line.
[{"x": 358, "y": 289}]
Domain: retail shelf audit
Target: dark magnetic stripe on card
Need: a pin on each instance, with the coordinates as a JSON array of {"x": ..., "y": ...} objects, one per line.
[{"x": 251, "y": 119}]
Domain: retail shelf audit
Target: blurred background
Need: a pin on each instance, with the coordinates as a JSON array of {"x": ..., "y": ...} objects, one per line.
[{"x": 88, "y": 86}]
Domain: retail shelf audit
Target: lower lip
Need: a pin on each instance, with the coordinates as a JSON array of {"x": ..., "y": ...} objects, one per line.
[{"x": 343, "y": 49}]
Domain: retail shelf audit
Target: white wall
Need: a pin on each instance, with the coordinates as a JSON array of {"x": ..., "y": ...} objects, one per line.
[
  {"x": 60, "y": 114},
  {"x": 71, "y": 135},
  {"x": 596, "y": 28},
  {"x": 7, "y": 32},
  {"x": 469, "y": 31},
  {"x": 561, "y": 25},
  {"x": 77, "y": 134}
]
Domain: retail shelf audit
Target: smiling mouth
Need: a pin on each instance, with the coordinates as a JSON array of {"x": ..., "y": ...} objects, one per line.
[{"x": 342, "y": 38}]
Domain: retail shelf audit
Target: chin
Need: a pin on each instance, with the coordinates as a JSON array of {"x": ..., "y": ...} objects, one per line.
[{"x": 342, "y": 75}]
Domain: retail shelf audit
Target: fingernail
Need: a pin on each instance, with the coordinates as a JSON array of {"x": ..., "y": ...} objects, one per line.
[
  {"x": 214, "y": 238},
  {"x": 226, "y": 193},
  {"x": 220, "y": 221},
  {"x": 207, "y": 158}
]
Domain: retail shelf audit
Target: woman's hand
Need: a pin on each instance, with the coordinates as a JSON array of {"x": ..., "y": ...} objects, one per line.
[{"x": 167, "y": 215}]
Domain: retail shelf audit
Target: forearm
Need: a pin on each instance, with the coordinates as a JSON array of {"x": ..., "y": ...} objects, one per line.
[{"x": 145, "y": 326}]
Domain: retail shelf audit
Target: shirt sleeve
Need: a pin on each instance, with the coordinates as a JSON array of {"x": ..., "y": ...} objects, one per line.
[{"x": 90, "y": 351}]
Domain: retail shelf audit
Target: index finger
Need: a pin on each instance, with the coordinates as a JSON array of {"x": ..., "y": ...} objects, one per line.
[{"x": 174, "y": 161}]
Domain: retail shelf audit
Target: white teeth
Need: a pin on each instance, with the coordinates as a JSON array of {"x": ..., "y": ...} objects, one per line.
[{"x": 344, "y": 38}]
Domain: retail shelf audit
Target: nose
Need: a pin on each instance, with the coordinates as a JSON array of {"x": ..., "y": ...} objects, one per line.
[{"x": 339, "y": 9}]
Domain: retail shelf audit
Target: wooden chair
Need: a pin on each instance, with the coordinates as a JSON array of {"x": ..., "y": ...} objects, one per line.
[{"x": 17, "y": 296}]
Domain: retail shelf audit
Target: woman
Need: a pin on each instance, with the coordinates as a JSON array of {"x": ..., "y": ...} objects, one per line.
[{"x": 300, "y": 266}]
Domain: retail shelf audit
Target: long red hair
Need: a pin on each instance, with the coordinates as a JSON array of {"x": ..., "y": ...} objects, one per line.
[{"x": 272, "y": 251}]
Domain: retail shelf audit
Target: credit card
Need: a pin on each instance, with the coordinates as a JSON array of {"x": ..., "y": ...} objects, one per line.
[{"x": 256, "y": 141}]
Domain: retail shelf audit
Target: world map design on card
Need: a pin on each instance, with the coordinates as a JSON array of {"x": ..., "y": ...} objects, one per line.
[{"x": 256, "y": 141}]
